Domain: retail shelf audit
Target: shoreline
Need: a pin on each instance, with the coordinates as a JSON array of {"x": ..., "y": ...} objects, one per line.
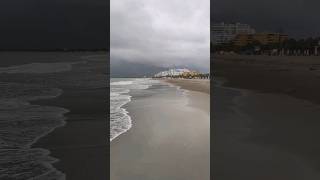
[
  {"x": 68, "y": 143},
  {"x": 67, "y": 137},
  {"x": 272, "y": 133},
  {"x": 265, "y": 112},
  {"x": 294, "y": 76},
  {"x": 198, "y": 85},
  {"x": 81, "y": 145},
  {"x": 158, "y": 142}
]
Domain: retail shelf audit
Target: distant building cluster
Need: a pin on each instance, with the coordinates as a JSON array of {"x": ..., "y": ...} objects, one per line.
[
  {"x": 172, "y": 72},
  {"x": 242, "y": 39},
  {"x": 261, "y": 38},
  {"x": 242, "y": 34},
  {"x": 181, "y": 73},
  {"x": 225, "y": 33}
]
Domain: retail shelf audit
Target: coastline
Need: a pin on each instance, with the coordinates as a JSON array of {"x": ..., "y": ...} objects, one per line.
[
  {"x": 199, "y": 85},
  {"x": 81, "y": 142},
  {"x": 296, "y": 76},
  {"x": 164, "y": 145},
  {"x": 43, "y": 100},
  {"x": 265, "y": 113},
  {"x": 81, "y": 145}
]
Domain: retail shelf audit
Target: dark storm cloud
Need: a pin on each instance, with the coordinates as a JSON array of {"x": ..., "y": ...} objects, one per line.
[
  {"x": 298, "y": 18},
  {"x": 53, "y": 24},
  {"x": 161, "y": 32}
]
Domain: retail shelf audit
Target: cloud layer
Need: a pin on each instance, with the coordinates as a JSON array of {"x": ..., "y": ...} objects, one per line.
[
  {"x": 161, "y": 32},
  {"x": 298, "y": 18},
  {"x": 37, "y": 24}
]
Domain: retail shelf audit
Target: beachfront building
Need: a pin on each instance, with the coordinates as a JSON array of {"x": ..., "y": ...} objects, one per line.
[
  {"x": 182, "y": 73},
  {"x": 270, "y": 38},
  {"x": 172, "y": 72},
  {"x": 222, "y": 33},
  {"x": 243, "y": 39},
  {"x": 262, "y": 38}
]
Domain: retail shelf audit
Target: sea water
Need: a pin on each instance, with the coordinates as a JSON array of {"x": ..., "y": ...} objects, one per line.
[
  {"x": 22, "y": 123},
  {"x": 120, "y": 88}
]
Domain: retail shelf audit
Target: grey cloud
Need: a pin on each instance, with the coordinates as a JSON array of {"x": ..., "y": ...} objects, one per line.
[
  {"x": 53, "y": 24},
  {"x": 162, "y": 33},
  {"x": 298, "y": 18}
]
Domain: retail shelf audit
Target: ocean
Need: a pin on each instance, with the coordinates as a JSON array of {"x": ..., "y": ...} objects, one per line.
[
  {"x": 120, "y": 95},
  {"x": 22, "y": 124},
  {"x": 27, "y": 77}
]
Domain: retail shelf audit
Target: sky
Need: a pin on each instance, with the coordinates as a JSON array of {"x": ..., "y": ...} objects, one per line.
[
  {"x": 298, "y": 18},
  {"x": 43, "y": 24},
  {"x": 162, "y": 33},
  {"x": 166, "y": 25}
]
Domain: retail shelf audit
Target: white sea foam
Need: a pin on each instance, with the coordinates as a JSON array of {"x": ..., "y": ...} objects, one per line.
[
  {"x": 120, "y": 121},
  {"x": 39, "y": 68},
  {"x": 121, "y": 83},
  {"x": 22, "y": 124}
]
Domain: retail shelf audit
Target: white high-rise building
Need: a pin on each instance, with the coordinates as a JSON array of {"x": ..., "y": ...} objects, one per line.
[
  {"x": 172, "y": 72},
  {"x": 224, "y": 33}
]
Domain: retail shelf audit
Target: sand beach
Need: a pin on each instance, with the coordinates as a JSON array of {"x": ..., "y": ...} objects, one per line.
[
  {"x": 265, "y": 118},
  {"x": 169, "y": 138}
]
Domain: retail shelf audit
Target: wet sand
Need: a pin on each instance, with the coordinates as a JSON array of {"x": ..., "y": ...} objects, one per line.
[
  {"x": 169, "y": 139},
  {"x": 265, "y": 118},
  {"x": 291, "y": 75},
  {"x": 200, "y": 85},
  {"x": 82, "y": 144}
]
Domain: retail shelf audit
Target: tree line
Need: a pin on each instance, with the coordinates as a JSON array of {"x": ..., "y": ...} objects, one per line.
[{"x": 289, "y": 45}]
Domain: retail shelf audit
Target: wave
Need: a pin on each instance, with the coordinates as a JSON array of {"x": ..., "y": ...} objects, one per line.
[
  {"x": 22, "y": 124},
  {"x": 121, "y": 83},
  {"x": 40, "y": 68},
  {"x": 120, "y": 121}
]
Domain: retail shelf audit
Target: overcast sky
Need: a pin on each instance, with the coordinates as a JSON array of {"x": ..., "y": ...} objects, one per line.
[
  {"x": 298, "y": 18},
  {"x": 43, "y": 24},
  {"x": 161, "y": 32}
]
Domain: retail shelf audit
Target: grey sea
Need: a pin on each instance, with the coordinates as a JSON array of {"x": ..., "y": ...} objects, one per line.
[{"x": 44, "y": 96}]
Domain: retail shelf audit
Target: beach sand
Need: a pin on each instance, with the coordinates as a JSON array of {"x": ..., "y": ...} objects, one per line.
[
  {"x": 200, "y": 85},
  {"x": 169, "y": 139},
  {"x": 297, "y": 76},
  {"x": 82, "y": 144},
  {"x": 265, "y": 118}
]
